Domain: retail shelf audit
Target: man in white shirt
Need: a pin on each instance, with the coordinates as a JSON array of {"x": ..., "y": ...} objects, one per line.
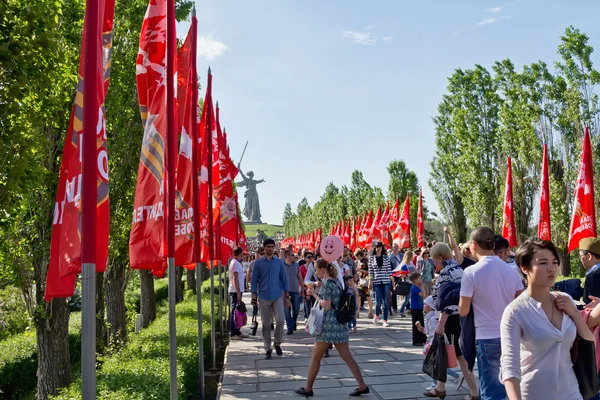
[
  {"x": 489, "y": 285},
  {"x": 236, "y": 288}
]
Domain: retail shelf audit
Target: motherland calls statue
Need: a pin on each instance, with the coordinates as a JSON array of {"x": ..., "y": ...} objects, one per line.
[{"x": 252, "y": 206}]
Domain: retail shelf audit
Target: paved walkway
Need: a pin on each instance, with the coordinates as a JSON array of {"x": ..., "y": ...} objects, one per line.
[{"x": 390, "y": 364}]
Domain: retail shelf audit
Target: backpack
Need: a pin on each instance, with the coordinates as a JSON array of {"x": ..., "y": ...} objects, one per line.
[{"x": 346, "y": 310}]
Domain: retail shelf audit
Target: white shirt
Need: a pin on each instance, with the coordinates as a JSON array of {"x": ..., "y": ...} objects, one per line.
[
  {"x": 492, "y": 285},
  {"x": 536, "y": 353},
  {"x": 236, "y": 266}
]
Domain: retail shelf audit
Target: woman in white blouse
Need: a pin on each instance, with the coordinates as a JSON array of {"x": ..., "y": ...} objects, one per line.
[{"x": 538, "y": 329}]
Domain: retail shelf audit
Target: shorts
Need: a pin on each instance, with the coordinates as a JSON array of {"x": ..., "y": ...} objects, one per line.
[
  {"x": 364, "y": 292},
  {"x": 452, "y": 331}
]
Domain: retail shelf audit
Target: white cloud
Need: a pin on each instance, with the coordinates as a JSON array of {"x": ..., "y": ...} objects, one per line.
[
  {"x": 486, "y": 21},
  {"x": 387, "y": 38},
  {"x": 494, "y": 9},
  {"x": 360, "y": 37},
  {"x": 210, "y": 47}
]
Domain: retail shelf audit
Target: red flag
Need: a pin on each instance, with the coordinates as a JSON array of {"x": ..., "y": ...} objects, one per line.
[
  {"x": 353, "y": 234},
  {"x": 583, "y": 222},
  {"x": 318, "y": 238},
  {"x": 375, "y": 230},
  {"x": 384, "y": 225},
  {"x": 208, "y": 131},
  {"x": 366, "y": 235},
  {"x": 65, "y": 248},
  {"x": 508, "y": 225},
  {"x": 147, "y": 239},
  {"x": 401, "y": 235},
  {"x": 184, "y": 211},
  {"x": 544, "y": 231},
  {"x": 346, "y": 238},
  {"x": 395, "y": 216},
  {"x": 420, "y": 222}
]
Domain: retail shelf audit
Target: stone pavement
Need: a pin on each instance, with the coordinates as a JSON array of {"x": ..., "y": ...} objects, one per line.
[{"x": 390, "y": 364}]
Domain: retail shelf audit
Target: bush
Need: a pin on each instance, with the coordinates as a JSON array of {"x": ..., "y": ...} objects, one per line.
[
  {"x": 18, "y": 358},
  {"x": 141, "y": 369},
  {"x": 14, "y": 317}
]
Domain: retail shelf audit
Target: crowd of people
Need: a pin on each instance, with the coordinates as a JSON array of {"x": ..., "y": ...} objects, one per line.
[{"x": 497, "y": 308}]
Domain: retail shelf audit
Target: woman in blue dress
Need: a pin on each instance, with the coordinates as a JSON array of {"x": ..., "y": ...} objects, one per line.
[{"x": 332, "y": 331}]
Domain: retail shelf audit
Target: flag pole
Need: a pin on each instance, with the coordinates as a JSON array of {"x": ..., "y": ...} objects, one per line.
[
  {"x": 170, "y": 158},
  {"x": 210, "y": 226},
  {"x": 218, "y": 251},
  {"x": 88, "y": 199},
  {"x": 195, "y": 202}
]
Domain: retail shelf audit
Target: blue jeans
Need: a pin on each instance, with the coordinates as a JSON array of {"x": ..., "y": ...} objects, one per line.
[
  {"x": 451, "y": 373},
  {"x": 488, "y": 364},
  {"x": 232, "y": 329},
  {"x": 292, "y": 317},
  {"x": 404, "y": 304},
  {"x": 352, "y": 323},
  {"x": 381, "y": 298}
]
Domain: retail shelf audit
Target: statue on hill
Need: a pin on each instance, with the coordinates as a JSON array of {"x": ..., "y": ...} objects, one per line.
[{"x": 252, "y": 207}]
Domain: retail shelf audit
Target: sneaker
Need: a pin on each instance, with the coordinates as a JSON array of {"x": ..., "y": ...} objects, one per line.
[
  {"x": 268, "y": 354},
  {"x": 375, "y": 319},
  {"x": 430, "y": 388},
  {"x": 385, "y": 324},
  {"x": 278, "y": 350},
  {"x": 290, "y": 332},
  {"x": 403, "y": 315},
  {"x": 236, "y": 337}
]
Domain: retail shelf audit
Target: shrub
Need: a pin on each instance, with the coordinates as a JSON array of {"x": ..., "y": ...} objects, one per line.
[
  {"x": 14, "y": 317},
  {"x": 141, "y": 369}
]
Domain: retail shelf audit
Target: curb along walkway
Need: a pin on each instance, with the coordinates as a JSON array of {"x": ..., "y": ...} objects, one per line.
[{"x": 390, "y": 363}]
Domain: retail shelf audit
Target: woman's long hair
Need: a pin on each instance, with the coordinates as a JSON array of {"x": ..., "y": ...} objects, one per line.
[{"x": 331, "y": 270}]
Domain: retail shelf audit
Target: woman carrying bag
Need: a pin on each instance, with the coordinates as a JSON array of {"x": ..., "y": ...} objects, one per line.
[
  {"x": 332, "y": 331},
  {"x": 538, "y": 331},
  {"x": 380, "y": 274}
]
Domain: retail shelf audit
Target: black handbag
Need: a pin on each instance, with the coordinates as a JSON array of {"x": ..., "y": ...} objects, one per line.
[
  {"x": 254, "y": 324},
  {"x": 402, "y": 289},
  {"x": 241, "y": 307},
  {"x": 583, "y": 356}
]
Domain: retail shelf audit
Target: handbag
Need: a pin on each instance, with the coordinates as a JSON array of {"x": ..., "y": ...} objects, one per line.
[
  {"x": 315, "y": 321},
  {"x": 254, "y": 324},
  {"x": 584, "y": 365},
  {"x": 451, "y": 352},
  {"x": 402, "y": 288},
  {"x": 241, "y": 307}
]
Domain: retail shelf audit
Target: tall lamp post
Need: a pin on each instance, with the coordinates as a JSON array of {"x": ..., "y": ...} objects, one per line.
[{"x": 442, "y": 221}]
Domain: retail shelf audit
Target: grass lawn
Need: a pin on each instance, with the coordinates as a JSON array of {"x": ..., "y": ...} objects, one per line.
[{"x": 267, "y": 228}]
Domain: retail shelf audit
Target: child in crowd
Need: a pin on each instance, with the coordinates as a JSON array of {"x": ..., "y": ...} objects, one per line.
[
  {"x": 431, "y": 322},
  {"x": 351, "y": 283},
  {"x": 416, "y": 306}
]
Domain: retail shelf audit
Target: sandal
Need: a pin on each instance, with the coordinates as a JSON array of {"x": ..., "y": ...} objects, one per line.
[
  {"x": 357, "y": 392},
  {"x": 435, "y": 393},
  {"x": 303, "y": 392}
]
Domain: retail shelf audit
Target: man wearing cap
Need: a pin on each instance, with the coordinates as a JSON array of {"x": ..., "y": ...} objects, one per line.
[{"x": 589, "y": 255}]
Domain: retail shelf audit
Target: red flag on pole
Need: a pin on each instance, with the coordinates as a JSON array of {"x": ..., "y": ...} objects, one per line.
[
  {"x": 385, "y": 225},
  {"x": 420, "y": 222},
  {"x": 147, "y": 239},
  {"x": 184, "y": 211},
  {"x": 346, "y": 238},
  {"x": 395, "y": 216},
  {"x": 318, "y": 238},
  {"x": 66, "y": 247},
  {"x": 583, "y": 222},
  {"x": 401, "y": 235},
  {"x": 544, "y": 231},
  {"x": 508, "y": 225},
  {"x": 375, "y": 229},
  {"x": 366, "y": 233}
]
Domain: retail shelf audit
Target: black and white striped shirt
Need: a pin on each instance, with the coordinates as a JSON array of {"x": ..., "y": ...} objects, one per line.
[{"x": 380, "y": 275}]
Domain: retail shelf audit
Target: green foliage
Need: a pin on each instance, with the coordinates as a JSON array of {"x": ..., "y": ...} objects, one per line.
[
  {"x": 141, "y": 369},
  {"x": 14, "y": 317}
]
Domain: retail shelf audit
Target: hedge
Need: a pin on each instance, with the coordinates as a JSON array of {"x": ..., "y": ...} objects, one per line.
[
  {"x": 18, "y": 358},
  {"x": 141, "y": 369}
]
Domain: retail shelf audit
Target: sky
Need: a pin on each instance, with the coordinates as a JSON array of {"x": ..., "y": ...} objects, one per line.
[{"x": 322, "y": 88}]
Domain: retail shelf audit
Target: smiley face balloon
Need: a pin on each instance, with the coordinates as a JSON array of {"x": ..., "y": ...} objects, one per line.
[{"x": 331, "y": 248}]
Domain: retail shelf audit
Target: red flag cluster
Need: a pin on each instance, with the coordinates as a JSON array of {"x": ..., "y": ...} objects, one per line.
[{"x": 388, "y": 226}]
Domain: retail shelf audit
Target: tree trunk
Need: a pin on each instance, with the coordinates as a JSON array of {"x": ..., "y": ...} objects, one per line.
[
  {"x": 178, "y": 284},
  {"x": 191, "y": 280},
  {"x": 147, "y": 301},
  {"x": 100, "y": 323},
  {"x": 54, "y": 364},
  {"x": 566, "y": 262},
  {"x": 115, "y": 305}
]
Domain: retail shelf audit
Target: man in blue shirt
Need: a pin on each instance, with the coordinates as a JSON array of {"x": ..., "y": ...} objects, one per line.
[{"x": 270, "y": 284}]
